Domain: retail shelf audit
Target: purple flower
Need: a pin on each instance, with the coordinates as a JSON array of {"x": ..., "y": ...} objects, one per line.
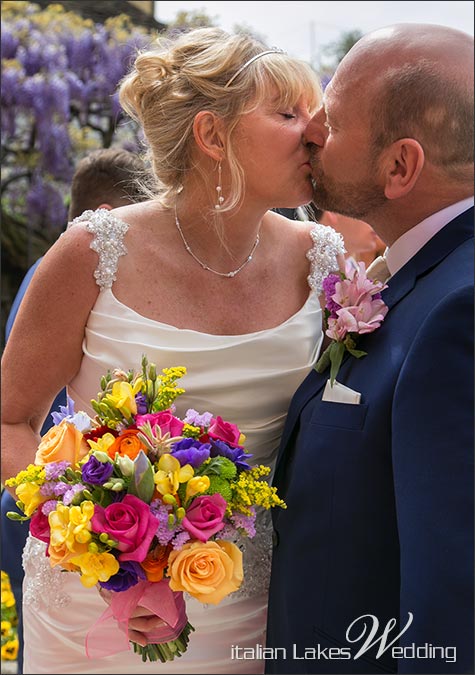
[
  {"x": 237, "y": 455},
  {"x": 64, "y": 411},
  {"x": 53, "y": 489},
  {"x": 72, "y": 492},
  {"x": 191, "y": 451},
  {"x": 54, "y": 470},
  {"x": 141, "y": 401},
  {"x": 49, "y": 506},
  {"x": 57, "y": 83},
  {"x": 129, "y": 574},
  {"x": 81, "y": 420},
  {"x": 161, "y": 511},
  {"x": 328, "y": 286},
  {"x": 246, "y": 523},
  {"x": 180, "y": 539},
  {"x": 9, "y": 43},
  {"x": 193, "y": 417},
  {"x": 96, "y": 472}
]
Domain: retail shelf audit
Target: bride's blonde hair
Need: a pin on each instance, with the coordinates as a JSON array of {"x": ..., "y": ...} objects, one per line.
[{"x": 198, "y": 70}]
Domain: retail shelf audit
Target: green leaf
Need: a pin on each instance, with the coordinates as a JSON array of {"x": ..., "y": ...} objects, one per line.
[
  {"x": 337, "y": 351},
  {"x": 357, "y": 352},
  {"x": 13, "y": 515},
  {"x": 324, "y": 361}
]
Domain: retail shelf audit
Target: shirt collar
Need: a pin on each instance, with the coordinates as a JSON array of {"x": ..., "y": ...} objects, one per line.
[{"x": 414, "y": 239}]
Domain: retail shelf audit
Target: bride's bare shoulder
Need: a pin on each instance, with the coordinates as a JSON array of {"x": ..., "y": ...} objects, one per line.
[
  {"x": 293, "y": 231},
  {"x": 140, "y": 214}
]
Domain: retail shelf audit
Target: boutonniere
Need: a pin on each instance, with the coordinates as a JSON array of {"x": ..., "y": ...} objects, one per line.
[{"x": 353, "y": 307}]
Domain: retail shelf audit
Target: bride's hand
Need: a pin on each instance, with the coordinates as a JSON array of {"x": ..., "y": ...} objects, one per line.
[{"x": 141, "y": 622}]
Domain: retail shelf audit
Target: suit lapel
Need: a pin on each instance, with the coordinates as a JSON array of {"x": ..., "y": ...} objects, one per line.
[{"x": 444, "y": 242}]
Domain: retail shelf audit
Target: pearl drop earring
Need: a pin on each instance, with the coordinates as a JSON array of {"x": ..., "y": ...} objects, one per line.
[{"x": 219, "y": 190}]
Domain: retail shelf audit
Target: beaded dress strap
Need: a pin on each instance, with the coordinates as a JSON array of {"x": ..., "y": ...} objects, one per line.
[
  {"x": 108, "y": 243},
  {"x": 327, "y": 245}
]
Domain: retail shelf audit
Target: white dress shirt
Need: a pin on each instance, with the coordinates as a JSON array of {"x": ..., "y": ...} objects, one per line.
[{"x": 414, "y": 239}]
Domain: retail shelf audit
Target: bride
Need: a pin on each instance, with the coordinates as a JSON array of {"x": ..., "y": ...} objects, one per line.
[{"x": 203, "y": 275}]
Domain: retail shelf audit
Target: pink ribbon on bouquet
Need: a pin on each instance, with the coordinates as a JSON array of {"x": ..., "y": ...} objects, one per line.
[{"x": 109, "y": 635}]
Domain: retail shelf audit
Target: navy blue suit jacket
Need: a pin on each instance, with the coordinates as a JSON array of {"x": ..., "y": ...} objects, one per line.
[{"x": 380, "y": 495}]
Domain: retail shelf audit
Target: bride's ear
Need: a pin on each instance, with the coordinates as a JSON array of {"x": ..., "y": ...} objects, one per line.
[
  {"x": 402, "y": 167},
  {"x": 209, "y": 134}
]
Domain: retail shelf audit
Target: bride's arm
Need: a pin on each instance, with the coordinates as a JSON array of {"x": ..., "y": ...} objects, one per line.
[{"x": 44, "y": 350}]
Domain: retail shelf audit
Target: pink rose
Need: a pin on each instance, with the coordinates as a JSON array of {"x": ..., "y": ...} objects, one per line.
[
  {"x": 224, "y": 431},
  {"x": 130, "y": 523},
  {"x": 39, "y": 526},
  {"x": 205, "y": 516},
  {"x": 167, "y": 422}
]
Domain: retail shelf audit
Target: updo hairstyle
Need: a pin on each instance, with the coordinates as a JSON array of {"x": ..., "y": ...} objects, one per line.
[{"x": 170, "y": 83}]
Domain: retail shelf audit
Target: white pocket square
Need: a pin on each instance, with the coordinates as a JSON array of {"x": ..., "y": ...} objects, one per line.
[{"x": 340, "y": 394}]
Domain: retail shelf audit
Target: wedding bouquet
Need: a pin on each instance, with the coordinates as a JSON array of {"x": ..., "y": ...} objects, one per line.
[{"x": 144, "y": 504}]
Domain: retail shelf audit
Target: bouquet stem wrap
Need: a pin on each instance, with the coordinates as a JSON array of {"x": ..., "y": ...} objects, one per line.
[{"x": 109, "y": 635}]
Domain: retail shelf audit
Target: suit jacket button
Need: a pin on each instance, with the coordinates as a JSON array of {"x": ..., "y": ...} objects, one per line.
[{"x": 275, "y": 538}]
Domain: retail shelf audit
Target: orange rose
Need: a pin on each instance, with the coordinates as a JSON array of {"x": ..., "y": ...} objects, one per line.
[
  {"x": 62, "y": 442},
  {"x": 127, "y": 444},
  {"x": 155, "y": 563},
  {"x": 208, "y": 571}
]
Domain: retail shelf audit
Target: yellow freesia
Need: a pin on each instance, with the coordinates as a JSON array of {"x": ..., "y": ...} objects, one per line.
[
  {"x": 123, "y": 397},
  {"x": 196, "y": 485},
  {"x": 70, "y": 525},
  {"x": 102, "y": 444},
  {"x": 96, "y": 567},
  {"x": 29, "y": 495},
  {"x": 80, "y": 517},
  {"x": 170, "y": 474}
]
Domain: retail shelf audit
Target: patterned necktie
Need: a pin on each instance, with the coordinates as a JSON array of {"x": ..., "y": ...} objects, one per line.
[{"x": 378, "y": 270}]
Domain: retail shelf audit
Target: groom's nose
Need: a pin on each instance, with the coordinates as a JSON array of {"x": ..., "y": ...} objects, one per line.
[{"x": 316, "y": 132}]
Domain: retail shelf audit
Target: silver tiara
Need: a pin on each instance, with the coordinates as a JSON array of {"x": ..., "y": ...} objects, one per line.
[{"x": 274, "y": 50}]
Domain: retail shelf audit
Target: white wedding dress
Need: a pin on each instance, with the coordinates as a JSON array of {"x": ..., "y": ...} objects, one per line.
[{"x": 247, "y": 379}]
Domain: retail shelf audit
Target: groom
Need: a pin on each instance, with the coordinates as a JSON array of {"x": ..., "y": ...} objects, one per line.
[{"x": 373, "y": 558}]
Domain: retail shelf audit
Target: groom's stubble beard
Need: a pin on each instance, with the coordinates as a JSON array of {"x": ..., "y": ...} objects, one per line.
[{"x": 356, "y": 200}]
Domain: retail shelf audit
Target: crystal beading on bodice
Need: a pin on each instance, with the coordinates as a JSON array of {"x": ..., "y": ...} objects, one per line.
[
  {"x": 327, "y": 244},
  {"x": 44, "y": 585},
  {"x": 109, "y": 233}
]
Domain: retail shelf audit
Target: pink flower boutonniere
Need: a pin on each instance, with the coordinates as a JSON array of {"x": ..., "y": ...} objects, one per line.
[{"x": 353, "y": 306}]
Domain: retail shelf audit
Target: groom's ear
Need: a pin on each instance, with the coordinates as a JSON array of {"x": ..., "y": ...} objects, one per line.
[{"x": 402, "y": 165}]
